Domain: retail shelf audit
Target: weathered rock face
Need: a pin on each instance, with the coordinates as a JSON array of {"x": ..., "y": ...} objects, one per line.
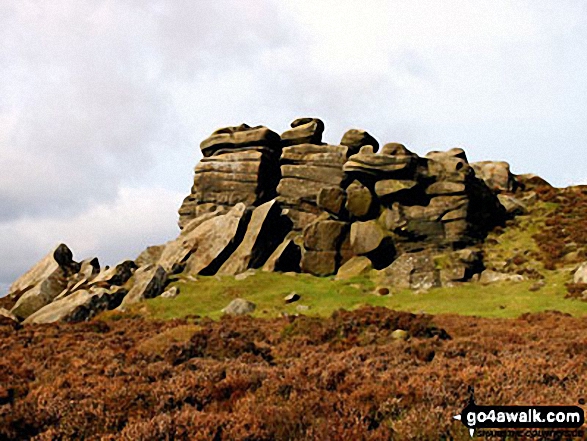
[
  {"x": 240, "y": 164},
  {"x": 347, "y": 200},
  {"x": 80, "y": 306},
  {"x": 149, "y": 283},
  {"x": 239, "y": 307},
  {"x": 43, "y": 269},
  {"x": 49, "y": 278},
  {"x": 354, "y": 139},
  {"x": 266, "y": 230},
  {"x": 312, "y": 181},
  {"x": 303, "y": 131},
  {"x": 323, "y": 239},
  {"x": 496, "y": 174}
]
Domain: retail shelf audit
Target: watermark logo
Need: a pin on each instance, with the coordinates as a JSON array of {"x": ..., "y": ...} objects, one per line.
[{"x": 519, "y": 417}]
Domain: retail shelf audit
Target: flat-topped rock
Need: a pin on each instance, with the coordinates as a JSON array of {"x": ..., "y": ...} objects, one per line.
[
  {"x": 354, "y": 139},
  {"x": 239, "y": 137},
  {"x": 303, "y": 131}
]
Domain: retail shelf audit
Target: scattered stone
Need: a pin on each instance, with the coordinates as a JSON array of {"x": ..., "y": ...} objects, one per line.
[
  {"x": 382, "y": 291},
  {"x": 400, "y": 334},
  {"x": 513, "y": 206},
  {"x": 239, "y": 307},
  {"x": 489, "y": 276},
  {"x": 580, "y": 275},
  {"x": 537, "y": 286},
  {"x": 171, "y": 293},
  {"x": 292, "y": 297},
  {"x": 302, "y": 308},
  {"x": 355, "y": 267},
  {"x": 242, "y": 276}
]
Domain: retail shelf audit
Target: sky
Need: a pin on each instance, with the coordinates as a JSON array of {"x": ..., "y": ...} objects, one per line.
[{"x": 103, "y": 104}]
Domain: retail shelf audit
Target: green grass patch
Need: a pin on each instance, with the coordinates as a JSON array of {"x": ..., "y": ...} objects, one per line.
[{"x": 208, "y": 295}]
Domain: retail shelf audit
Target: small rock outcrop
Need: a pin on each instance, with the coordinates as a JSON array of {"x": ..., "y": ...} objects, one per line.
[{"x": 239, "y": 307}]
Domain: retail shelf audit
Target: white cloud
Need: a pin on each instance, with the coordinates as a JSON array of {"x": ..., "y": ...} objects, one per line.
[
  {"x": 112, "y": 231},
  {"x": 100, "y": 97}
]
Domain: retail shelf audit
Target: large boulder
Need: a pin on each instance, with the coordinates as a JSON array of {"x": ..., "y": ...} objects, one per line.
[
  {"x": 80, "y": 306},
  {"x": 529, "y": 182},
  {"x": 496, "y": 175},
  {"x": 322, "y": 241},
  {"x": 312, "y": 181},
  {"x": 370, "y": 240},
  {"x": 239, "y": 137},
  {"x": 287, "y": 255},
  {"x": 580, "y": 275},
  {"x": 50, "y": 280},
  {"x": 149, "y": 255},
  {"x": 359, "y": 201},
  {"x": 43, "y": 269},
  {"x": 215, "y": 240},
  {"x": 319, "y": 263},
  {"x": 117, "y": 275},
  {"x": 513, "y": 206},
  {"x": 266, "y": 230},
  {"x": 354, "y": 139},
  {"x": 149, "y": 282},
  {"x": 411, "y": 270},
  {"x": 356, "y": 266},
  {"x": 205, "y": 243},
  {"x": 381, "y": 166},
  {"x": 249, "y": 176},
  {"x": 303, "y": 131},
  {"x": 239, "y": 307}
]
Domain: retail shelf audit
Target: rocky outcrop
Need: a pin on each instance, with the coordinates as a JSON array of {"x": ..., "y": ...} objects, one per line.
[
  {"x": 80, "y": 306},
  {"x": 240, "y": 165},
  {"x": 49, "y": 278},
  {"x": 294, "y": 203}
]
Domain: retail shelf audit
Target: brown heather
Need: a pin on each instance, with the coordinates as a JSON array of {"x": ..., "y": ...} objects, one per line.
[
  {"x": 341, "y": 378},
  {"x": 563, "y": 239}
]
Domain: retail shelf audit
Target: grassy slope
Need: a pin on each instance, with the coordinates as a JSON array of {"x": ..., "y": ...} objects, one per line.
[{"x": 208, "y": 295}]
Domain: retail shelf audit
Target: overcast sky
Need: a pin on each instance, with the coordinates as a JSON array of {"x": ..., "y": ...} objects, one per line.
[{"x": 103, "y": 103}]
